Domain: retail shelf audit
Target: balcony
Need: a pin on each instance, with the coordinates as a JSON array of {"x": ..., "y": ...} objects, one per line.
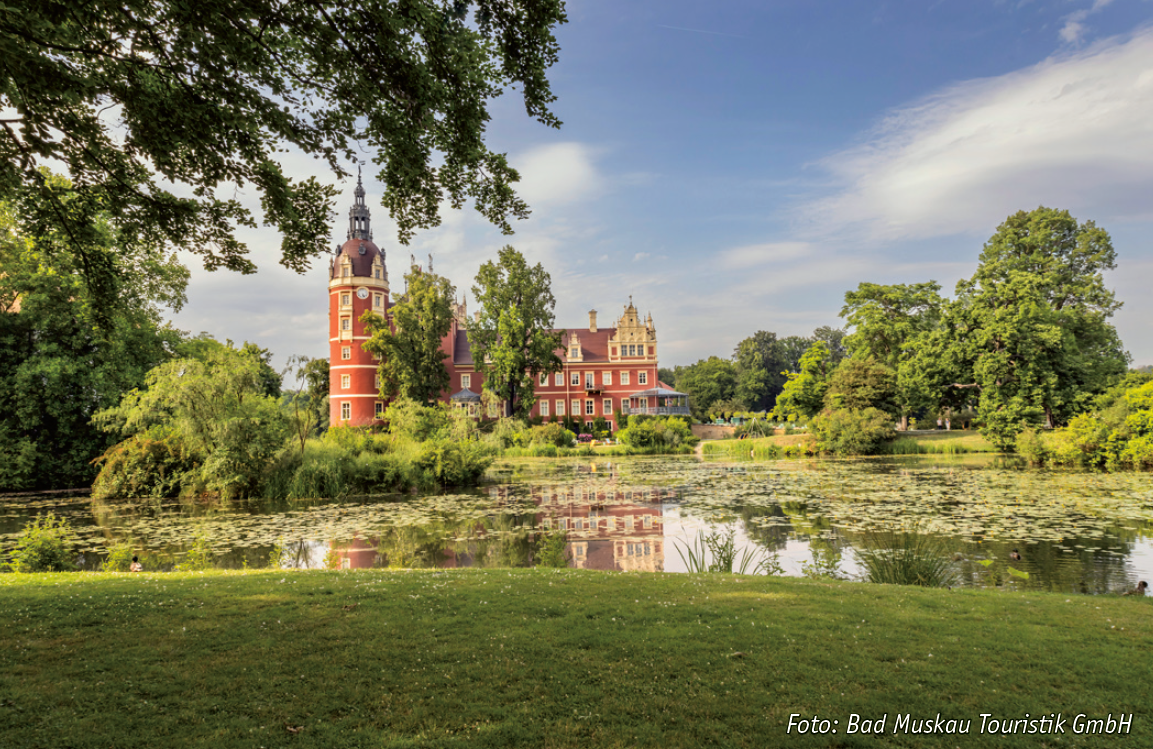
[{"x": 657, "y": 411}]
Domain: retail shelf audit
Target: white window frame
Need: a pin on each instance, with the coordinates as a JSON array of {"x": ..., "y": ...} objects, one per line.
[
  {"x": 544, "y": 408},
  {"x": 345, "y": 299},
  {"x": 346, "y": 352},
  {"x": 590, "y": 380},
  {"x": 346, "y": 324},
  {"x": 608, "y": 406},
  {"x": 574, "y": 379},
  {"x": 560, "y": 408},
  {"x": 345, "y": 381},
  {"x": 379, "y": 410},
  {"x": 378, "y": 300},
  {"x": 624, "y": 378},
  {"x": 558, "y": 379},
  {"x": 590, "y": 407},
  {"x": 642, "y": 378},
  {"x": 376, "y": 380},
  {"x": 345, "y": 411},
  {"x": 466, "y": 381},
  {"x": 544, "y": 379},
  {"x": 606, "y": 378},
  {"x": 576, "y": 407}
]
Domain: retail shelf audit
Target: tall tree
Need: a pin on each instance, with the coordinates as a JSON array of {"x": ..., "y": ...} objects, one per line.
[
  {"x": 804, "y": 392},
  {"x": 792, "y": 348},
  {"x": 834, "y": 339},
  {"x": 408, "y": 345},
  {"x": 512, "y": 340},
  {"x": 57, "y": 366},
  {"x": 886, "y": 321},
  {"x": 761, "y": 365},
  {"x": 212, "y": 93},
  {"x": 1029, "y": 332},
  {"x": 707, "y": 381}
]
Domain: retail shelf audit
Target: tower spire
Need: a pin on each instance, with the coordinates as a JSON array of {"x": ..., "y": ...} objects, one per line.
[{"x": 358, "y": 226}]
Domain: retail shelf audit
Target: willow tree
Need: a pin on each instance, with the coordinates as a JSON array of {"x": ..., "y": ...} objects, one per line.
[{"x": 159, "y": 110}]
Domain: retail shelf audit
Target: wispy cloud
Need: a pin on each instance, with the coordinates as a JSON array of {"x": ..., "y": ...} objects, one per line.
[
  {"x": 1070, "y": 132},
  {"x": 1074, "y": 29},
  {"x": 762, "y": 254},
  {"x": 557, "y": 174}
]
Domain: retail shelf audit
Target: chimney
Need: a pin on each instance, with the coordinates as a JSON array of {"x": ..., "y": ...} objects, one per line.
[{"x": 592, "y": 321}]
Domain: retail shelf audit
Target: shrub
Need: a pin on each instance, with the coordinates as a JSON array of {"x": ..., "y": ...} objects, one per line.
[
  {"x": 199, "y": 556},
  {"x": 552, "y": 434},
  {"x": 551, "y": 550},
  {"x": 661, "y": 432},
  {"x": 45, "y": 545},
  {"x": 144, "y": 466},
  {"x": 416, "y": 421},
  {"x": 1031, "y": 446},
  {"x": 851, "y": 431},
  {"x": 450, "y": 463},
  {"x": 119, "y": 558}
]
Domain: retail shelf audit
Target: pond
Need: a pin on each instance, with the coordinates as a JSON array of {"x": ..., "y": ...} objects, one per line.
[{"x": 1075, "y": 532}]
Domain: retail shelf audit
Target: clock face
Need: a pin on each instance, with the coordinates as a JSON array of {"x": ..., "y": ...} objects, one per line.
[{"x": 362, "y": 293}]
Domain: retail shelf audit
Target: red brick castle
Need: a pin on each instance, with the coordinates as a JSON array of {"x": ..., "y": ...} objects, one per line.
[{"x": 604, "y": 369}]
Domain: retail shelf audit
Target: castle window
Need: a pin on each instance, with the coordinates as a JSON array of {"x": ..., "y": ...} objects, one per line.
[
  {"x": 558, "y": 379},
  {"x": 642, "y": 378},
  {"x": 345, "y": 270},
  {"x": 544, "y": 408},
  {"x": 576, "y": 407},
  {"x": 346, "y": 323},
  {"x": 345, "y": 352},
  {"x": 379, "y": 410},
  {"x": 574, "y": 378},
  {"x": 376, "y": 273},
  {"x": 574, "y": 352},
  {"x": 466, "y": 381},
  {"x": 608, "y": 404},
  {"x": 345, "y": 382},
  {"x": 378, "y": 300},
  {"x": 376, "y": 381},
  {"x": 345, "y": 411},
  {"x": 560, "y": 408},
  {"x": 544, "y": 379},
  {"x": 345, "y": 299},
  {"x": 589, "y": 380},
  {"x": 606, "y": 378},
  {"x": 590, "y": 408},
  {"x": 624, "y": 378}
]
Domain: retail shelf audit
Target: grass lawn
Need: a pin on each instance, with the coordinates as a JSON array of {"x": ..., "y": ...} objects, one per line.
[
  {"x": 550, "y": 658},
  {"x": 951, "y": 442}
]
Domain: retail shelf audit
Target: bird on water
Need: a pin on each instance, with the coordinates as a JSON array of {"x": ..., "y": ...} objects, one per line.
[
  {"x": 1138, "y": 591},
  {"x": 1015, "y": 555}
]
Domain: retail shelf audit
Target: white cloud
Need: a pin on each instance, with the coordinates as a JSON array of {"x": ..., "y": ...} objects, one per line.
[
  {"x": 1074, "y": 29},
  {"x": 762, "y": 254},
  {"x": 1070, "y": 132},
  {"x": 556, "y": 174}
]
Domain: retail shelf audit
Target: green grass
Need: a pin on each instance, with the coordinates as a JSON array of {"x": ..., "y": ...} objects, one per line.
[
  {"x": 788, "y": 446},
  {"x": 545, "y": 658}
]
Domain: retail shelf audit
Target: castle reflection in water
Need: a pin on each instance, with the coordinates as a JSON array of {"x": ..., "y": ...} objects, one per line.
[{"x": 609, "y": 526}]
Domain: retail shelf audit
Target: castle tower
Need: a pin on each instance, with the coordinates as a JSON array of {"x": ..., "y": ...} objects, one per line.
[{"x": 358, "y": 281}]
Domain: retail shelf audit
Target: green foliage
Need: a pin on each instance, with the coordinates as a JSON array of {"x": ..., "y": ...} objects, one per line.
[
  {"x": 416, "y": 421},
  {"x": 59, "y": 361},
  {"x": 452, "y": 463},
  {"x": 145, "y": 466},
  {"x": 45, "y": 545},
  {"x": 717, "y": 552},
  {"x": 862, "y": 382},
  {"x": 657, "y": 432},
  {"x": 552, "y": 434},
  {"x": 512, "y": 339},
  {"x": 907, "y": 558},
  {"x": 1028, "y": 336},
  {"x": 551, "y": 550},
  {"x": 408, "y": 344},
  {"x": 213, "y": 95},
  {"x": 1121, "y": 436},
  {"x": 219, "y": 412},
  {"x": 852, "y": 431},
  {"x": 804, "y": 391},
  {"x": 119, "y": 557},
  {"x": 199, "y": 556},
  {"x": 707, "y": 381},
  {"x": 307, "y": 407},
  {"x": 760, "y": 366}
]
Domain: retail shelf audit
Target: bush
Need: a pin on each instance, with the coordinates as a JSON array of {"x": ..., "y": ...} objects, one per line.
[
  {"x": 660, "y": 432},
  {"x": 552, "y": 434},
  {"x": 119, "y": 558},
  {"x": 199, "y": 557},
  {"x": 450, "y": 463},
  {"x": 551, "y": 550},
  {"x": 851, "y": 431},
  {"x": 144, "y": 466},
  {"x": 45, "y": 545},
  {"x": 906, "y": 559}
]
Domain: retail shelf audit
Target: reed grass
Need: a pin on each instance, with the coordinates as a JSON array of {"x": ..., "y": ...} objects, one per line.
[{"x": 906, "y": 558}]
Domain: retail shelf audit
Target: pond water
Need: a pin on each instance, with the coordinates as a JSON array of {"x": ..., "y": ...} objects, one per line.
[{"x": 1075, "y": 532}]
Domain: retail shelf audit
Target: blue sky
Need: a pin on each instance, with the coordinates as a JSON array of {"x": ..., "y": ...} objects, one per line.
[{"x": 737, "y": 166}]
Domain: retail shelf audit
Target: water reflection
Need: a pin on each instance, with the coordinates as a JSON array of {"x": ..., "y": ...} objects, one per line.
[{"x": 1076, "y": 532}]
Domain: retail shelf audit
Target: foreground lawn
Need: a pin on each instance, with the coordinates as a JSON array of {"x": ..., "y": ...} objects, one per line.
[
  {"x": 921, "y": 443},
  {"x": 540, "y": 658}
]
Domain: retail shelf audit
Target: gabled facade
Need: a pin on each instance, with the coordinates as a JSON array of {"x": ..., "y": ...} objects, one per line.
[{"x": 603, "y": 368}]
